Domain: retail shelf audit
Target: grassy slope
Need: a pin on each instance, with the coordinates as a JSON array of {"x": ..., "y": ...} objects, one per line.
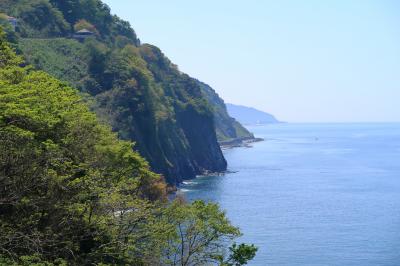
[{"x": 60, "y": 57}]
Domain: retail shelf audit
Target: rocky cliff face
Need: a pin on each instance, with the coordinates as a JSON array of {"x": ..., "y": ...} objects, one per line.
[
  {"x": 227, "y": 128},
  {"x": 199, "y": 130},
  {"x": 175, "y": 120},
  {"x": 177, "y": 132}
]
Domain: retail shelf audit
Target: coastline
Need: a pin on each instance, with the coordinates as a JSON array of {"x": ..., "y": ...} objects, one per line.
[
  {"x": 230, "y": 144},
  {"x": 239, "y": 142}
]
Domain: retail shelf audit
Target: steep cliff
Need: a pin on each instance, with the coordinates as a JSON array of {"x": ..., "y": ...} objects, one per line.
[
  {"x": 227, "y": 128},
  {"x": 72, "y": 193},
  {"x": 133, "y": 87}
]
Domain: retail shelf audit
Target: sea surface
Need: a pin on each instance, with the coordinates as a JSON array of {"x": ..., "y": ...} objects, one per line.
[{"x": 314, "y": 194}]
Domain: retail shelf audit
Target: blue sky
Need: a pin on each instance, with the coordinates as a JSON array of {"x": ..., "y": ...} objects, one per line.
[{"x": 303, "y": 61}]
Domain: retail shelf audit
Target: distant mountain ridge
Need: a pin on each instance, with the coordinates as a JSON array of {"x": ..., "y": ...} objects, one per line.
[{"x": 249, "y": 115}]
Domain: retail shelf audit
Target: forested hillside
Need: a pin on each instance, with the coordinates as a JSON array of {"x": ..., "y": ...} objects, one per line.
[
  {"x": 71, "y": 193},
  {"x": 227, "y": 127},
  {"x": 132, "y": 86}
]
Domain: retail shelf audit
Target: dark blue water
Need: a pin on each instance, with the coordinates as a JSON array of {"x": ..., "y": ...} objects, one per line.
[{"x": 314, "y": 194}]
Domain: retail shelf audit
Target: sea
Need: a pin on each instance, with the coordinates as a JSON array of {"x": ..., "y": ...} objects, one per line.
[{"x": 313, "y": 194}]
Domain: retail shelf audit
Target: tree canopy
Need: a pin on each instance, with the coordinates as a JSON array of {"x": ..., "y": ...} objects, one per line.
[
  {"x": 64, "y": 176},
  {"x": 72, "y": 193}
]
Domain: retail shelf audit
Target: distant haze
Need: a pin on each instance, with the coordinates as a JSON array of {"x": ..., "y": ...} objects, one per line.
[
  {"x": 249, "y": 116},
  {"x": 303, "y": 61}
]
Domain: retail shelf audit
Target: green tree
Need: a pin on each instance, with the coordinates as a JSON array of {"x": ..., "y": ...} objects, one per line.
[
  {"x": 72, "y": 193},
  {"x": 9, "y": 30},
  {"x": 67, "y": 184},
  {"x": 8, "y": 58},
  {"x": 239, "y": 255},
  {"x": 201, "y": 232},
  {"x": 83, "y": 24},
  {"x": 40, "y": 18}
]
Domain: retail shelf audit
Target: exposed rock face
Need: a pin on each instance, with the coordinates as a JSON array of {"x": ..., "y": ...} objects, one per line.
[
  {"x": 227, "y": 128},
  {"x": 200, "y": 132},
  {"x": 164, "y": 111},
  {"x": 176, "y": 131},
  {"x": 175, "y": 120}
]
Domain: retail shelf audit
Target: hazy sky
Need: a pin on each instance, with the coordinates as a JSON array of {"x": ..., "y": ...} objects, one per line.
[{"x": 303, "y": 61}]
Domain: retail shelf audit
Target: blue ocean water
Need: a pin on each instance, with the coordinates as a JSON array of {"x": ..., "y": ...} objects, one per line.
[{"x": 314, "y": 194}]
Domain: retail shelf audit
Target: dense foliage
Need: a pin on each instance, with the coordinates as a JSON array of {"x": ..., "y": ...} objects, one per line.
[
  {"x": 175, "y": 120},
  {"x": 52, "y": 18},
  {"x": 71, "y": 193},
  {"x": 60, "y": 57},
  {"x": 135, "y": 88},
  {"x": 63, "y": 175}
]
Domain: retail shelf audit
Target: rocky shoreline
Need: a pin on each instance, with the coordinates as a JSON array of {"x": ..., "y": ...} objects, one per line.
[
  {"x": 229, "y": 144},
  {"x": 239, "y": 142}
]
